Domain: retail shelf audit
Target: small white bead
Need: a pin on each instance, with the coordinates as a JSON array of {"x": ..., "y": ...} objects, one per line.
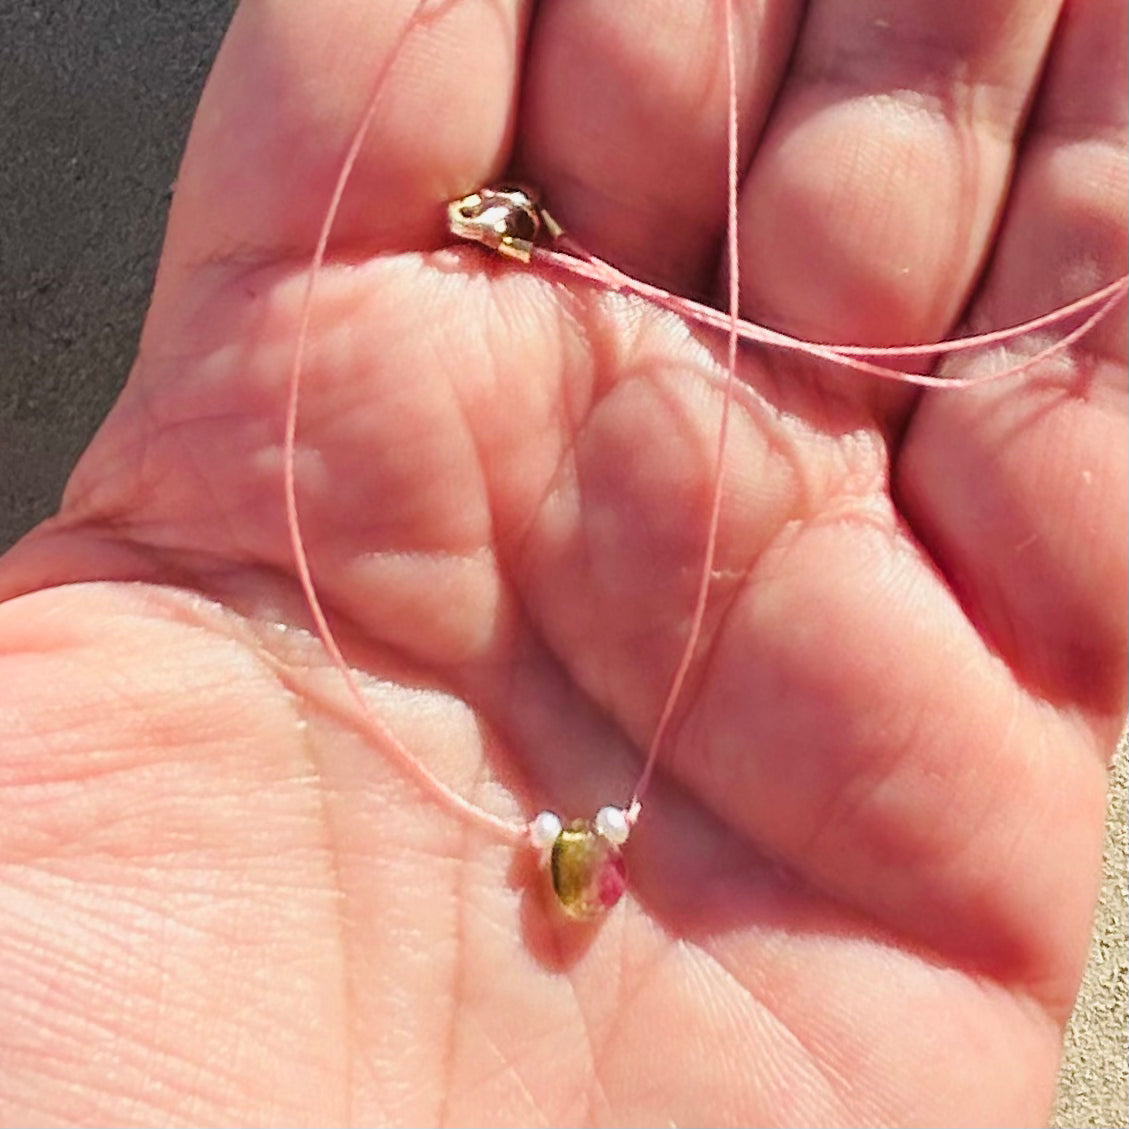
[
  {"x": 544, "y": 829},
  {"x": 612, "y": 823}
]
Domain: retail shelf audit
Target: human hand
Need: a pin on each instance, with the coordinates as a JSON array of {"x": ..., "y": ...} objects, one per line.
[{"x": 862, "y": 884}]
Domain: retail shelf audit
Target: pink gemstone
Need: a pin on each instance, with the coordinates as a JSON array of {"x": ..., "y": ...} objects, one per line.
[{"x": 589, "y": 873}]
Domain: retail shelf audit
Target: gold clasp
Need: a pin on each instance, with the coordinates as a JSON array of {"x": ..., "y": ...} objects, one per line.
[{"x": 508, "y": 219}]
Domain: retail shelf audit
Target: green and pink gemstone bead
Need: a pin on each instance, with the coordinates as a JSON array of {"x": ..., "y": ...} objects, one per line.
[{"x": 586, "y": 864}]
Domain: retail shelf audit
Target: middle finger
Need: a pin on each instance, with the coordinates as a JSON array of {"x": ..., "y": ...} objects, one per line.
[{"x": 623, "y": 123}]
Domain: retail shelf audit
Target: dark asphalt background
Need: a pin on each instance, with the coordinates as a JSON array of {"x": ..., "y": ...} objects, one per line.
[
  {"x": 95, "y": 101},
  {"x": 96, "y": 97}
]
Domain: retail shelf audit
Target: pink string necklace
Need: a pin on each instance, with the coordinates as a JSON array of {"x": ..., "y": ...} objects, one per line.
[{"x": 584, "y": 857}]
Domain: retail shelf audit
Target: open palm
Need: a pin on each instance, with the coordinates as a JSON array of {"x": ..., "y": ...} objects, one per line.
[{"x": 862, "y": 884}]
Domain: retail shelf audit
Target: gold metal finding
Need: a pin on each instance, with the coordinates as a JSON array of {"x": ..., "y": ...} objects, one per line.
[{"x": 508, "y": 219}]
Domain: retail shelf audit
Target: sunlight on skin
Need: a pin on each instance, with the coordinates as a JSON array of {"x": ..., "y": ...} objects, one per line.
[{"x": 862, "y": 891}]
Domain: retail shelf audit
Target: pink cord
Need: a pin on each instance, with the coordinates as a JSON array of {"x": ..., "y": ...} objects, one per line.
[
  {"x": 414, "y": 767},
  {"x": 710, "y": 554},
  {"x": 576, "y": 261}
]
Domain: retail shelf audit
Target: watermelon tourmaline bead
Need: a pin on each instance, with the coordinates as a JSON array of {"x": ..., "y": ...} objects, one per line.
[{"x": 588, "y": 871}]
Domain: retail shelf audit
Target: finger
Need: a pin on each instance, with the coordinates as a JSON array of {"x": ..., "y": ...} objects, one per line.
[
  {"x": 870, "y": 203},
  {"x": 624, "y": 124},
  {"x": 1020, "y": 491},
  {"x": 290, "y": 89}
]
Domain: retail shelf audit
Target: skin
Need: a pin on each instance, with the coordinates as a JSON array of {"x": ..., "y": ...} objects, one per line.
[{"x": 863, "y": 880}]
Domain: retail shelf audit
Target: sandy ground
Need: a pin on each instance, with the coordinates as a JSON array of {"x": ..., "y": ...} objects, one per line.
[
  {"x": 95, "y": 100},
  {"x": 1093, "y": 1082}
]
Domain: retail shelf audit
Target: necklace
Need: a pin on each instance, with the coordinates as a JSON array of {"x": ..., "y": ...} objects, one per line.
[{"x": 584, "y": 857}]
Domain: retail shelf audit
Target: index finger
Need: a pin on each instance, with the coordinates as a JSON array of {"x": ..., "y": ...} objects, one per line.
[{"x": 290, "y": 88}]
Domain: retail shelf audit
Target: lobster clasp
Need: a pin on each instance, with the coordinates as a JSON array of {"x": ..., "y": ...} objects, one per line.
[{"x": 508, "y": 219}]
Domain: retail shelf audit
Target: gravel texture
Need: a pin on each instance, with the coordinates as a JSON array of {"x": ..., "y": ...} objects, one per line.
[{"x": 95, "y": 101}]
